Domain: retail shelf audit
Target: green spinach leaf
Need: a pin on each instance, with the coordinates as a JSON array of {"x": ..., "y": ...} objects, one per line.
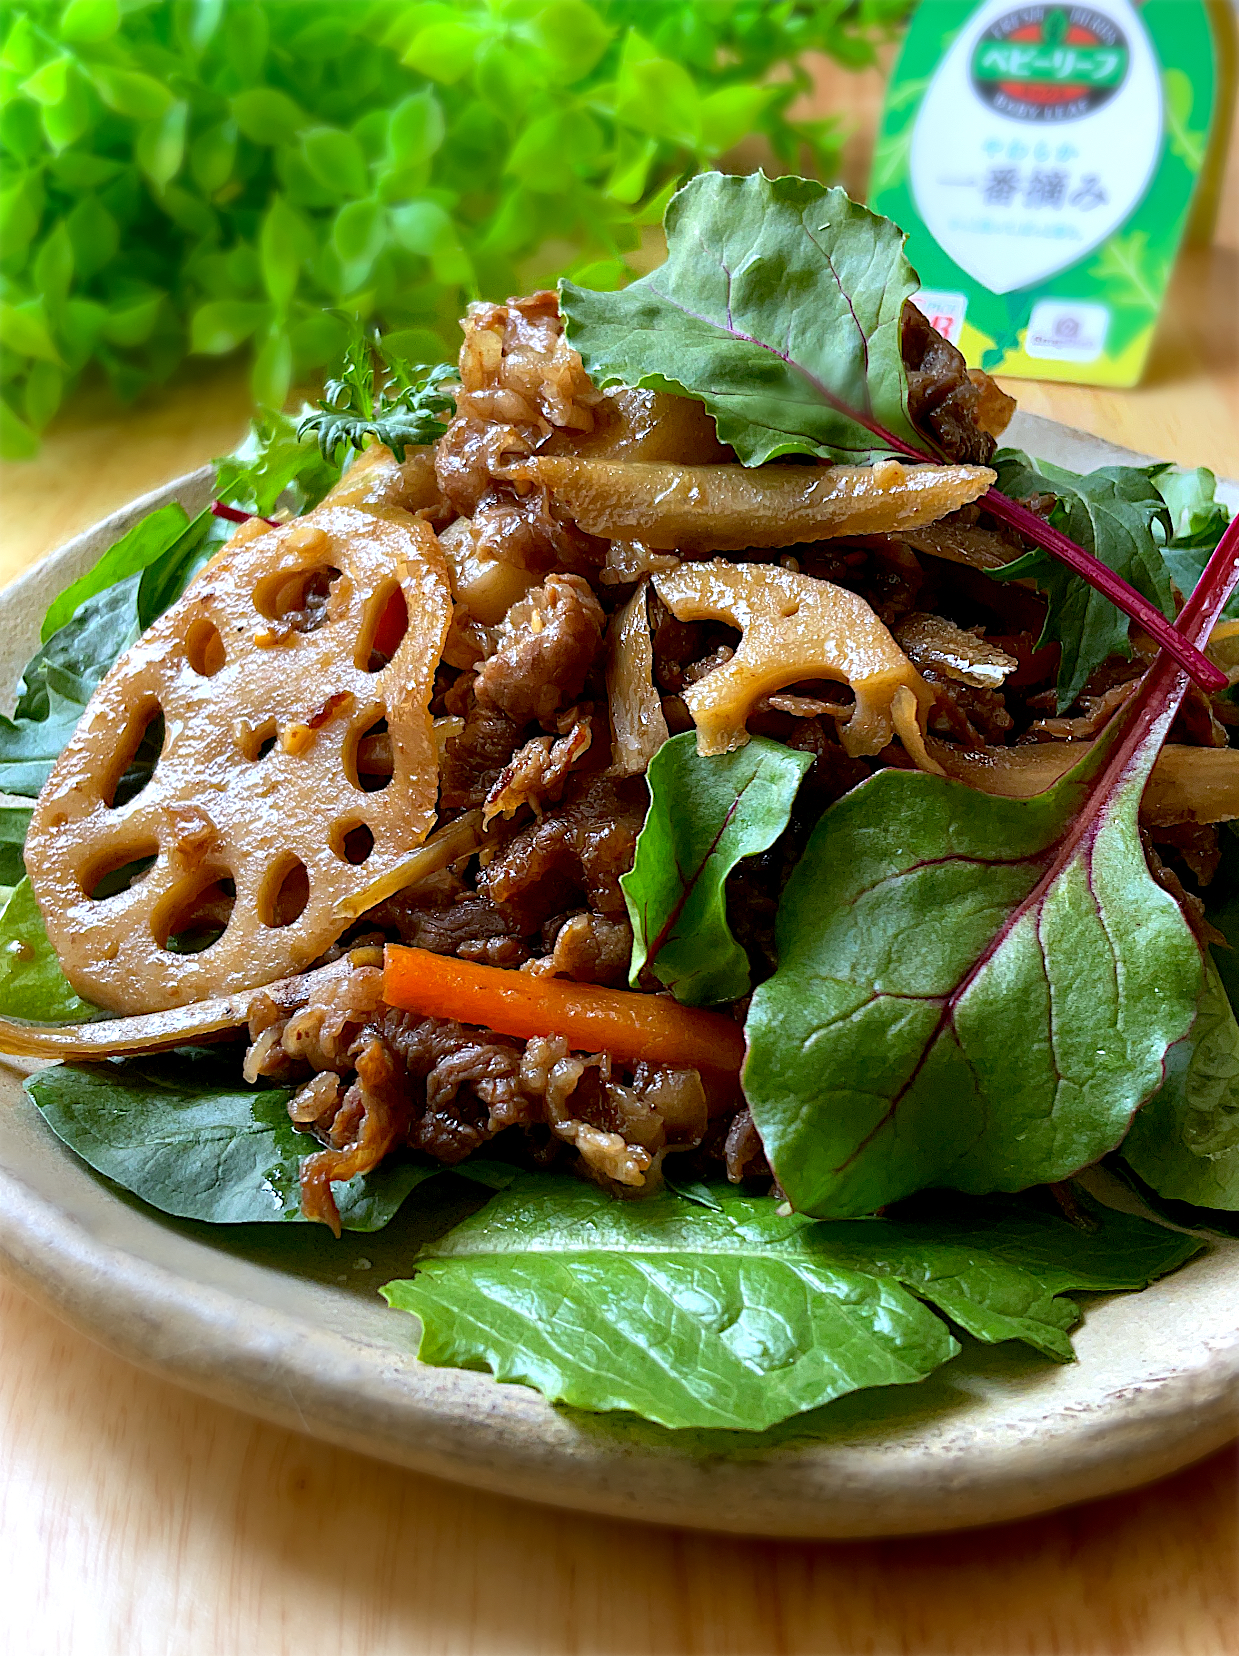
[
  {"x": 726, "y": 1312},
  {"x": 778, "y": 308},
  {"x": 187, "y": 1135},
  {"x": 68, "y": 667},
  {"x": 971, "y": 991},
  {"x": 32, "y": 984},
  {"x": 14, "y": 821},
  {"x": 705, "y": 815},
  {"x": 147, "y": 540},
  {"x": 1112, "y": 512}
]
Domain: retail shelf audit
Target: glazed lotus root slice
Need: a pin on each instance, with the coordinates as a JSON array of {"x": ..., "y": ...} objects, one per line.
[
  {"x": 795, "y": 627},
  {"x": 269, "y": 678}
]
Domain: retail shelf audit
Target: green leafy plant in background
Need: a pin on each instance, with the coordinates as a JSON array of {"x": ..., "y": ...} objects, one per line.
[{"x": 191, "y": 177}]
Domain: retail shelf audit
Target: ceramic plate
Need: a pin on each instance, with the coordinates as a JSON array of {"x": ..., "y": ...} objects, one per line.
[{"x": 287, "y": 1323}]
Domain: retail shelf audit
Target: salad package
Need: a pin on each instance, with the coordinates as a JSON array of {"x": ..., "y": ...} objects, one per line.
[{"x": 676, "y": 797}]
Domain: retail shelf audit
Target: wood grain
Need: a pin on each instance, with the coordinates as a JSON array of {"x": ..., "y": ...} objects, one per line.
[{"x": 137, "y": 1520}]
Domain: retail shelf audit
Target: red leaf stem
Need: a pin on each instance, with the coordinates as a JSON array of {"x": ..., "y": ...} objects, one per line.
[
  {"x": 1099, "y": 575},
  {"x": 231, "y": 514}
]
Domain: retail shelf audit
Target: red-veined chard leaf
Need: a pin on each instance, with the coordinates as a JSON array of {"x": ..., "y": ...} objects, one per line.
[
  {"x": 1184, "y": 1143},
  {"x": 705, "y": 814},
  {"x": 724, "y": 1312},
  {"x": 774, "y": 290},
  {"x": 976, "y": 992},
  {"x": 779, "y": 308}
]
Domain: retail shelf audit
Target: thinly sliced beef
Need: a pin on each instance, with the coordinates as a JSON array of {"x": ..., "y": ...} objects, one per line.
[
  {"x": 546, "y": 647},
  {"x": 942, "y": 400},
  {"x": 580, "y": 851}
]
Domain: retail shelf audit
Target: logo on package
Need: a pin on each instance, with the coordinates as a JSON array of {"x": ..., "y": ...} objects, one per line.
[{"x": 1050, "y": 63}]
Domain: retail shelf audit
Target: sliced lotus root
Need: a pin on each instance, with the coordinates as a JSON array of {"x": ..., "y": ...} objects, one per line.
[{"x": 298, "y": 764}]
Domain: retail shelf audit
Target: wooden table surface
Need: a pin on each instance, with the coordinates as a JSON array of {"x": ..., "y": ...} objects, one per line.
[{"x": 138, "y": 1520}]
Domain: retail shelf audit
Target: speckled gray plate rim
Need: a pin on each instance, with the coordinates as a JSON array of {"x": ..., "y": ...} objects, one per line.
[{"x": 286, "y": 1323}]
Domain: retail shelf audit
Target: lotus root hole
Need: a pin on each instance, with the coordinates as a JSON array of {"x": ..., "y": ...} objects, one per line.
[
  {"x": 285, "y": 892},
  {"x": 296, "y": 597},
  {"x": 255, "y": 741},
  {"x": 351, "y": 841},
  {"x": 117, "y": 869},
  {"x": 368, "y": 757},
  {"x": 383, "y": 630},
  {"x": 204, "y": 648},
  {"x": 195, "y": 914},
  {"x": 136, "y": 754}
]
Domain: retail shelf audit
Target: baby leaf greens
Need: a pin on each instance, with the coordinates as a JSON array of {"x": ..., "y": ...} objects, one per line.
[
  {"x": 732, "y": 1315},
  {"x": 1185, "y": 1141},
  {"x": 975, "y": 992},
  {"x": 1112, "y": 512},
  {"x": 779, "y": 309},
  {"x": 89, "y": 627},
  {"x": 705, "y": 814},
  {"x": 32, "y": 984},
  {"x": 773, "y": 291},
  {"x": 188, "y": 1136}
]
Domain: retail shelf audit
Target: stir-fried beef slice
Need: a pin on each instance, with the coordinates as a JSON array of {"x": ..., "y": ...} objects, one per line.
[
  {"x": 519, "y": 381},
  {"x": 1169, "y": 878},
  {"x": 942, "y": 400},
  {"x": 523, "y": 530},
  {"x": 445, "y": 1088},
  {"x": 538, "y": 771},
  {"x": 471, "y": 452},
  {"x": 1196, "y": 843},
  {"x": 450, "y": 1059},
  {"x": 320, "y": 1034},
  {"x": 516, "y": 367},
  {"x": 590, "y": 948},
  {"x": 582, "y": 849},
  {"x": 444, "y": 916},
  {"x": 370, "y": 1121},
  {"x": 546, "y": 647},
  {"x": 474, "y": 761},
  {"x": 963, "y": 713}
]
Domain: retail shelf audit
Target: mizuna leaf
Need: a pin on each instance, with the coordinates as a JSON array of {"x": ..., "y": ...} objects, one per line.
[
  {"x": 780, "y": 300},
  {"x": 705, "y": 815},
  {"x": 722, "y": 1312},
  {"x": 1184, "y": 1143},
  {"x": 188, "y": 1136},
  {"x": 973, "y": 992},
  {"x": 1112, "y": 513}
]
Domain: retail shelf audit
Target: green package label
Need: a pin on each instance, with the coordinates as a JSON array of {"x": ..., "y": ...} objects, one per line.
[{"x": 1042, "y": 159}]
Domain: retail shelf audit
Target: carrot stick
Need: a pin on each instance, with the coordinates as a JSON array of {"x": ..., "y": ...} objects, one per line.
[{"x": 592, "y": 1019}]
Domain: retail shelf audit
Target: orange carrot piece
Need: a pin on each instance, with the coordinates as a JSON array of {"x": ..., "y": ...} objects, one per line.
[{"x": 629, "y": 1026}]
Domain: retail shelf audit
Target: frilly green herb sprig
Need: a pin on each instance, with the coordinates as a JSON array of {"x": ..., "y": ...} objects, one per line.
[{"x": 382, "y": 398}]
